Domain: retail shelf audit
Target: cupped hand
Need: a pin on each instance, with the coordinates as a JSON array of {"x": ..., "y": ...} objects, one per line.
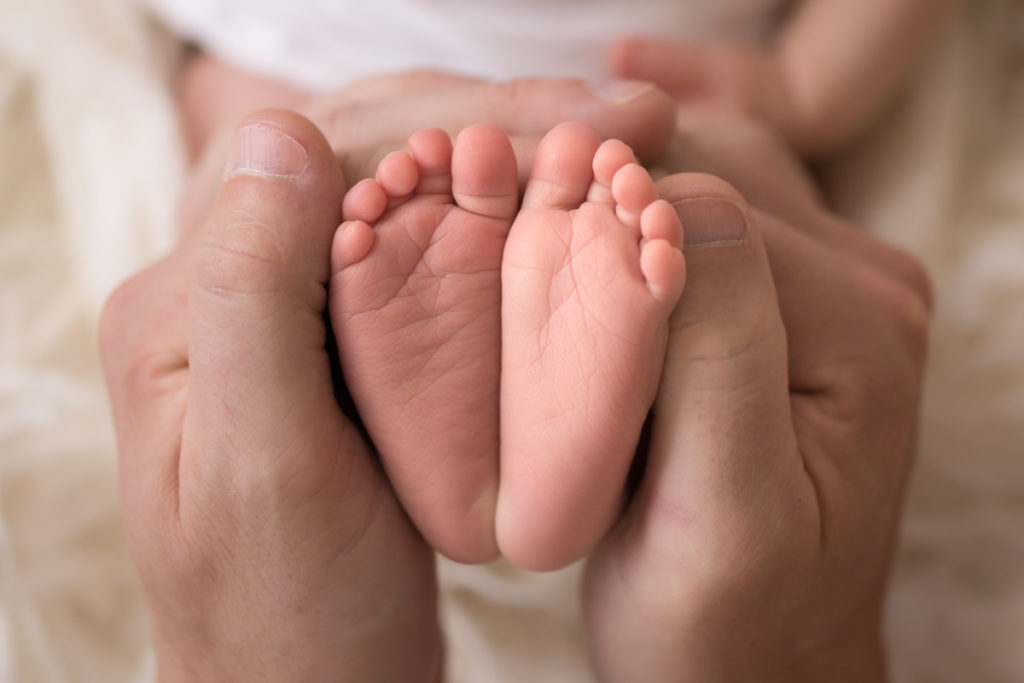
[
  {"x": 270, "y": 545},
  {"x": 758, "y": 543},
  {"x": 373, "y": 118},
  {"x": 369, "y": 119}
]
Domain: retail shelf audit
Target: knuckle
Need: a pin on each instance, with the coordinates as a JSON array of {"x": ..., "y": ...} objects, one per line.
[
  {"x": 733, "y": 352},
  {"x": 905, "y": 308},
  {"x": 859, "y": 390},
  {"x": 883, "y": 377},
  {"x": 116, "y": 311},
  {"x": 150, "y": 373},
  {"x": 137, "y": 334},
  {"x": 243, "y": 256},
  {"x": 119, "y": 333},
  {"x": 915, "y": 276}
]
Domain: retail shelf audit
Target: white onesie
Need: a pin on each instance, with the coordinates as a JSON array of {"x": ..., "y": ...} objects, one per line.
[{"x": 323, "y": 44}]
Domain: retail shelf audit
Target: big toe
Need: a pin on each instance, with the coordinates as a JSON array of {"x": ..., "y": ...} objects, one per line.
[
  {"x": 562, "y": 168},
  {"x": 485, "y": 177}
]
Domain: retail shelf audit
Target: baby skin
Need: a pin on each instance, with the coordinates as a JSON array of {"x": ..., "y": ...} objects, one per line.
[
  {"x": 443, "y": 298},
  {"x": 415, "y": 303}
]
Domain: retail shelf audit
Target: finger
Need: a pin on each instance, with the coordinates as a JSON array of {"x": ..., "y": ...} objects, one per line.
[
  {"x": 377, "y": 88},
  {"x": 773, "y": 179},
  {"x": 636, "y": 113},
  {"x": 830, "y": 331},
  {"x": 143, "y": 345},
  {"x": 834, "y": 304},
  {"x": 204, "y": 181},
  {"x": 677, "y": 67},
  {"x": 722, "y": 446},
  {"x": 865, "y": 248},
  {"x": 260, "y": 374},
  {"x": 852, "y": 330}
]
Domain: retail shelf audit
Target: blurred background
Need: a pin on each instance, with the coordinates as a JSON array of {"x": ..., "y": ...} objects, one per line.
[{"x": 91, "y": 167}]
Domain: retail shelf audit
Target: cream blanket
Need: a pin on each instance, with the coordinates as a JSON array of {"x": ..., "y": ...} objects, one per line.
[{"x": 90, "y": 168}]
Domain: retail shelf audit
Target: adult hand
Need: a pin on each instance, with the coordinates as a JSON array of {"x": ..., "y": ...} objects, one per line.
[
  {"x": 270, "y": 545},
  {"x": 367, "y": 120},
  {"x": 759, "y": 540},
  {"x": 720, "y": 76},
  {"x": 772, "y": 179},
  {"x": 373, "y": 118}
]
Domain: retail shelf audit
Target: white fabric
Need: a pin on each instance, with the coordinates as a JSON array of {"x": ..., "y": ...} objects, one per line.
[
  {"x": 322, "y": 44},
  {"x": 89, "y": 173},
  {"x": 90, "y": 166}
]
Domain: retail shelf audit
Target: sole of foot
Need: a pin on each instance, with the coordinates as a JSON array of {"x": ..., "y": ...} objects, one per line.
[
  {"x": 415, "y": 304},
  {"x": 592, "y": 270}
]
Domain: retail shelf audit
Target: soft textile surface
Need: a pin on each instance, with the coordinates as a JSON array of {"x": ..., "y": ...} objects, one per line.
[
  {"x": 944, "y": 176},
  {"x": 326, "y": 44},
  {"x": 90, "y": 168}
]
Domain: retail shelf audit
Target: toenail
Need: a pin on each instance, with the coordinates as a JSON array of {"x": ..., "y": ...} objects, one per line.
[
  {"x": 267, "y": 150},
  {"x": 709, "y": 223},
  {"x": 620, "y": 91}
]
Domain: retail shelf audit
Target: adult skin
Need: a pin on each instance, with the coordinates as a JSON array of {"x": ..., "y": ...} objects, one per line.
[
  {"x": 725, "y": 458},
  {"x": 270, "y": 544},
  {"x": 758, "y": 544}
]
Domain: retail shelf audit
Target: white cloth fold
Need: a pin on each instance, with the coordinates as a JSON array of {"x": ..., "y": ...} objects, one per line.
[{"x": 323, "y": 44}]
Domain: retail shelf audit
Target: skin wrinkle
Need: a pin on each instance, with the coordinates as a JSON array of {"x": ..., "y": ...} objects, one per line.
[
  {"x": 401, "y": 335},
  {"x": 565, "y": 407},
  {"x": 427, "y": 318},
  {"x": 268, "y": 239},
  {"x": 430, "y": 282},
  {"x": 814, "y": 464},
  {"x": 553, "y": 306},
  {"x": 580, "y": 292}
]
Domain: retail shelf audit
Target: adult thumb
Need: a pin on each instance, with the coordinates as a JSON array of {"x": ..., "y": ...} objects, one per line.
[
  {"x": 722, "y": 438},
  {"x": 256, "y": 309}
]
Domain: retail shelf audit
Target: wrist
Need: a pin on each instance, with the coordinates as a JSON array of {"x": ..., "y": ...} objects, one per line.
[
  {"x": 418, "y": 658},
  {"x": 715, "y": 644}
]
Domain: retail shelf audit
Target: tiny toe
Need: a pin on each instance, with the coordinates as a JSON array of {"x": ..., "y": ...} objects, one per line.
[
  {"x": 485, "y": 173},
  {"x": 609, "y": 158},
  {"x": 633, "y": 191},
  {"x": 366, "y": 201},
  {"x": 562, "y": 168},
  {"x": 659, "y": 221},
  {"x": 432, "y": 150},
  {"x": 398, "y": 175},
  {"x": 352, "y": 242},
  {"x": 664, "y": 268}
]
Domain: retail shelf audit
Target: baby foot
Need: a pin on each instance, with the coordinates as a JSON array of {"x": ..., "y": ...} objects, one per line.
[
  {"x": 415, "y": 304},
  {"x": 592, "y": 270}
]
